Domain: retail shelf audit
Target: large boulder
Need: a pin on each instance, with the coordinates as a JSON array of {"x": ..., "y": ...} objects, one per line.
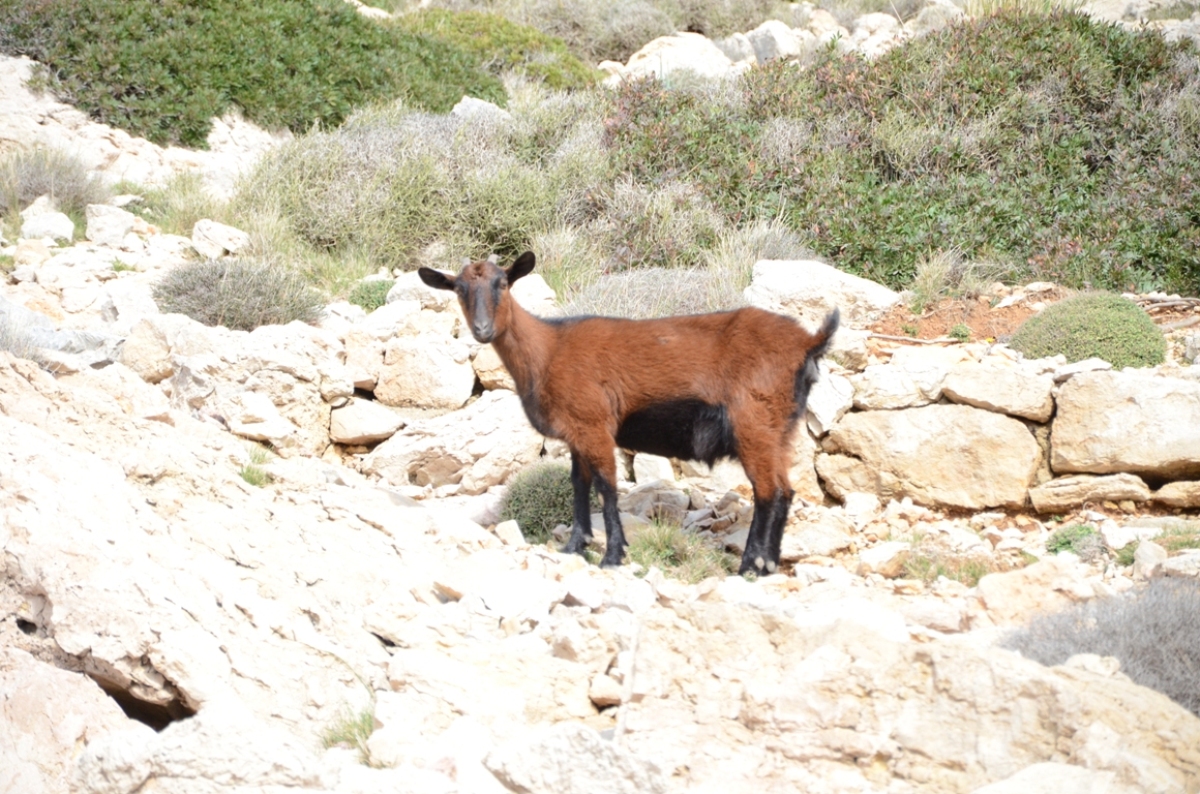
[
  {"x": 949, "y": 455},
  {"x": 426, "y": 371},
  {"x": 275, "y": 383},
  {"x": 809, "y": 290},
  {"x": 55, "y": 225},
  {"x": 1127, "y": 421},
  {"x": 682, "y": 51}
]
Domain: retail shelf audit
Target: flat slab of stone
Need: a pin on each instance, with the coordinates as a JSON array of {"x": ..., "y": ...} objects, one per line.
[
  {"x": 1179, "y": 494},
  {"x": 1005, "y": 389},
  {"x": 1130, "y": 421},
  {"x": 363, "y": 422},
  {"x": 1067, "y": 492}
]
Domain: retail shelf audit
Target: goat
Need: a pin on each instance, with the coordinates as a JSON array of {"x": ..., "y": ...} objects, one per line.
[{"x": 701, "y": 387}]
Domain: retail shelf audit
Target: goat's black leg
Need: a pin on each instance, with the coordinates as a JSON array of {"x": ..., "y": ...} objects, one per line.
[
  {"x": 766, "y": 534},
  {"x": 581, "y": 526},
  {"x": 612, "y": 523}
]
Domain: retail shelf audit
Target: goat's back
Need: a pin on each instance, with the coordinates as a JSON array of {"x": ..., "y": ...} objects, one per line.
[{"x": 716, "y": 358}]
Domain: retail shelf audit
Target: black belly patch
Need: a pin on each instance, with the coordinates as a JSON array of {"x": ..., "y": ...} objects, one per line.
[{"x": 688, "y": 429}]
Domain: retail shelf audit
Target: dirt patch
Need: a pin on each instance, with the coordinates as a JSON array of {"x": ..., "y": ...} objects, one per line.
[
  {"x": 948, "y": 316},
  {"x": 994, "y": 319}
]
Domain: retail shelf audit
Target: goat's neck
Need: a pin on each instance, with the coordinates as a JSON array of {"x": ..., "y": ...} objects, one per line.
[{"x": 525, "y": 348}]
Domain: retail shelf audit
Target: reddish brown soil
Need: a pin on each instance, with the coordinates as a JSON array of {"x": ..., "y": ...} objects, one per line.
[{"x": 992, "y": 324}]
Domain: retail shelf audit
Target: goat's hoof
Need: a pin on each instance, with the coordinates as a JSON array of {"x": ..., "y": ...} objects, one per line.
[
  {"x": 575, "y": 547},
  {"x": 611, "y": 561},
  {"x": 757, "y": 566}
]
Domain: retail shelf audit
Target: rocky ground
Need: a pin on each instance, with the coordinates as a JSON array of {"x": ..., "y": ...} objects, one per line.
[{"x": 361, "y": 623}]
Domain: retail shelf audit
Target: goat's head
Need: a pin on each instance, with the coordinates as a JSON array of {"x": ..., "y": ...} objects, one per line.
[{"x": 482, "y": 289}]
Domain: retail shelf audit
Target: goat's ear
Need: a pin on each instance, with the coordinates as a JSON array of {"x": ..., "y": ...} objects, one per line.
[
  {"x": 436, "y": 278},
  {"x": 521, "y": 267}
]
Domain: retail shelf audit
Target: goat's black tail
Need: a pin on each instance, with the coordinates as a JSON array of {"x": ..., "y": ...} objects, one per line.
[{"x": 808, "y": 373}]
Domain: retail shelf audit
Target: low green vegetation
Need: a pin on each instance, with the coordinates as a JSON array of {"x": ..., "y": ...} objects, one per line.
[
  {"x": 1179, "y": 537},
  {"x": 1094, "y": 324},
  {"x": 679, "y": 554},
  {"x": 162, "y": 69},
  {"x": 370, "y": 294},
  {"x": 238, "y": 294},
  {"x": 1008, "y": 148},
  {"x": 352, "y": 730},
  {"x": 1152, "y": 631},
  {"x": 253, "y": 472},
  {"x": 502, "y": 46},
  {"x": 615, "y": 29},
  {"x": 946, "y": 274},
  {"x": 927, "y": 565},
  {"x": 539, "y": 499},
  {"x": 175, "y": 206},
  {"x": 1080, "y": 539}
]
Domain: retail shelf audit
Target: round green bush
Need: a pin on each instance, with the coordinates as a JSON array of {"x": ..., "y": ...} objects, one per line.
[
  {"x": 539, "y": 499},
  {"x": 1093, "y": 324},
  {"x": 371, "y": 294},
  {"x": 238, "y": 294}
]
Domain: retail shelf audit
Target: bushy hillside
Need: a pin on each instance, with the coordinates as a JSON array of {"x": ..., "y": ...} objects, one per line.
[
  {"x": 1059, "y": 147},
  {"x": 1067, "y": 146},
  {"x": 162, "y": 69}
]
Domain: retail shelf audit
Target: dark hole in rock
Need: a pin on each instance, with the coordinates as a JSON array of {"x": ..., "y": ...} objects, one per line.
[
  {"x": 27, "y": 626},
  {"x": 386, "y": 642},
  {"x": 153, "y": 714}
]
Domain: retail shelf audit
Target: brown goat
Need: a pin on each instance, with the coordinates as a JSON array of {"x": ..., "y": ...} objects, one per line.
[{"x": 701, "y": 387}]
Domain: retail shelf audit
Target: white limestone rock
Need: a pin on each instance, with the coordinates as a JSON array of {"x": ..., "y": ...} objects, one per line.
[
  {"x": 363, "y": 422},
  {"x": 476, "y": 448},
  {"x": 1064, "y": 493},
  {"x": 213, "y": 240},
  {"x": 938, "y": 454},
  {"x": 108, "y": 225},
  {"x": 1012, "y": 390},
  {"x": 1130, "y": 421},
  {"x": 809, "y": 290},
  {"x": 54, "y": 225}
]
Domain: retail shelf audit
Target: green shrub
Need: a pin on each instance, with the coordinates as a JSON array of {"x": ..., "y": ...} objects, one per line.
[
  {"x": 1154, "y": 632},
  {"x": 175, "y": 206},
  {"x": 927, "y": 565},
  {"x": 598, "y": 31},
  {"x": 371, "y": 294},
  {"x": 1080, "y": 539},
  {"x": 1093, "y": 324},
  {"x": 163, "y": 68},
  {"x": 27, "y": 174},
  {"x": 539, "y": 499},
  {"x": 1051, "y": 141},
  {"x": 352, "y": 730},
  {"x": 679, "y": 554},
  {"x": 237, "y": 294},
  {"x": 391, "y": 182},
  {"x": 501, "y": 45}
]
